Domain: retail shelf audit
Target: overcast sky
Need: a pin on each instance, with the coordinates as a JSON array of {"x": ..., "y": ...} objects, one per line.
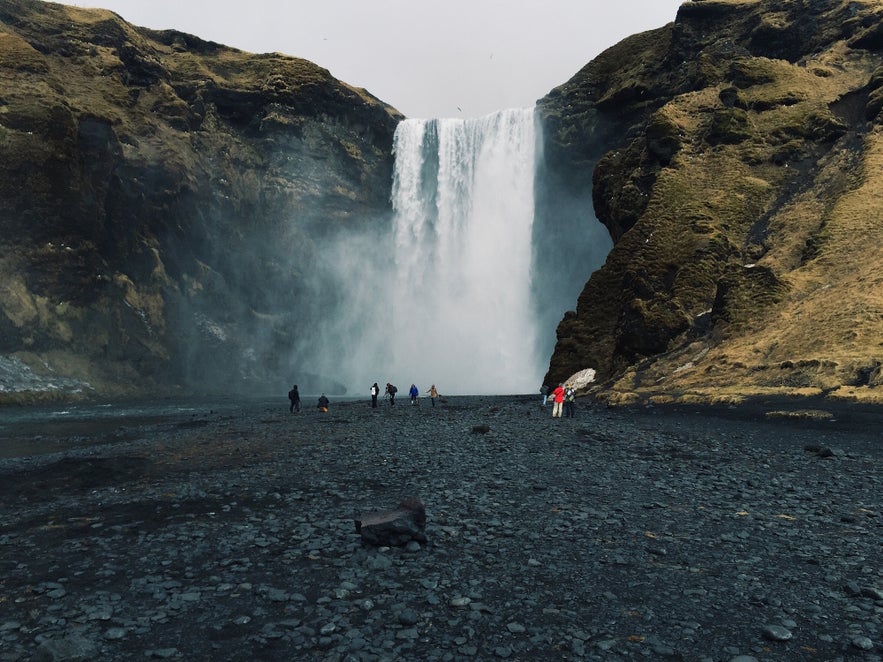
[{"x": 449, "y": 58}]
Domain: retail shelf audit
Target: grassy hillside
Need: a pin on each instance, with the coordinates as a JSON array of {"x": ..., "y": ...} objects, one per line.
[
  {"x": 160, "y": 200},
  {"x": 734, "y": 155}
]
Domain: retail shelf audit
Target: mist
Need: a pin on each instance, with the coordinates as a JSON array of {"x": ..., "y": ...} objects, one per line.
[
  {"x": 460, "y": 282},
  {"x": 464, "y": 285}
]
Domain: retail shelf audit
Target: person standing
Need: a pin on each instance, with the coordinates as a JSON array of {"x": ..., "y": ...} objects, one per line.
[
  {"x": 413, "y": 392},
  {"x": 569, "y": 401},
  {"x": 375, "y": 391},
  {"x": 558, "y": 400},
  {"x": 544, "y": 391},
  {"x": 294, "y": 397},
  {"x": 433, "y": 394}
]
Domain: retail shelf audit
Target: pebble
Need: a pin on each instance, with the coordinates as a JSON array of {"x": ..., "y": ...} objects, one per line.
[
  {"x": 633, "y": 534},
  {"x": 863, "y": 643},
  {"x": 776, "y": 633}
]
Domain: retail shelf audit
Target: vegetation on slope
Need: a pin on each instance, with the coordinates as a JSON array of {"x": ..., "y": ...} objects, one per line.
[
  {"x": 734, "y": 156},
  {"x": 160, "y": 197}
]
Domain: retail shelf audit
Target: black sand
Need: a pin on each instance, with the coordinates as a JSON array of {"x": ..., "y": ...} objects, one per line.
[{"x": 621, "y": 534}]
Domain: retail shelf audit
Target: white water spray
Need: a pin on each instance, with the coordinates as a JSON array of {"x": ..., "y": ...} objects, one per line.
[
  {"x": 460, "y": 290},
  {"x": 460, "y": 307}
]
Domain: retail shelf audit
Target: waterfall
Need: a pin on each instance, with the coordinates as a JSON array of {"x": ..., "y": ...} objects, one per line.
[
  {"x": 461, "y": 289},
  {"x": 460, "y": 306}
]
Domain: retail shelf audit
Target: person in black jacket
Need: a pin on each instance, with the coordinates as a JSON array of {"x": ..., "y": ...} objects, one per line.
[
  {"x": 391, "y": 392},
  {"x": 323, "y": 403},
  {"x": 294, "y": 396}
]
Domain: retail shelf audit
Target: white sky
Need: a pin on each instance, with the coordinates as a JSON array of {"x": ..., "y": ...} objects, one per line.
[{"x": 450, "y": 58}]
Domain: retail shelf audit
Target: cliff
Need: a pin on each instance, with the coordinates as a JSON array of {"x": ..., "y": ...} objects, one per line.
[
  {"x": 161, "y": 198},
  {"x": 164, "y": 200},
  {"x": 734, "y": 155}
]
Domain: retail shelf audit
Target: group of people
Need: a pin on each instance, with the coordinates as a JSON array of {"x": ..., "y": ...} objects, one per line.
[
  {"x": 563, "y": 398},
  {"x": 391, "y": 390},
  {"x": 322, "y": 405},
  {"x": 294, "y": 399}
]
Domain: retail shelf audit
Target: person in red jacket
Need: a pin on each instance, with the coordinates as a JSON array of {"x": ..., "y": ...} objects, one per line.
[{"x": 558, "y": 397}]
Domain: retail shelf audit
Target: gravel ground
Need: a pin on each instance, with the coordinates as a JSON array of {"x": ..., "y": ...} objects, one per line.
[{"x": 621, "y": 534}]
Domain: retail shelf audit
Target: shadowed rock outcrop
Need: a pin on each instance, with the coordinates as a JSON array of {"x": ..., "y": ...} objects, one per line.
[
  {"x": 161, "y": 198},
  {"x": 734, "y": 157}
]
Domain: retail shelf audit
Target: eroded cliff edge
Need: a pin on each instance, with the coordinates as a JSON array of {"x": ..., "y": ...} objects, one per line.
[
  {"x": 734, "y": 155},
  {"x": 161, "y": 198}
]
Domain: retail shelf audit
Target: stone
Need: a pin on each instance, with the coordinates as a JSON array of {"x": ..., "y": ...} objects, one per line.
[
  {"x": 396, "y": 527},
  {"x": 776, "y": 633},
  {"x": 580, "y": 380},
  {"x": 872, "y": 592},
  {"x": 862, "y": 643}
]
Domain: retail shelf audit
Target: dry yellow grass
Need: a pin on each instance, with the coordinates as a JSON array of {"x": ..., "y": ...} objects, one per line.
[{"x": 793, "y": 191}]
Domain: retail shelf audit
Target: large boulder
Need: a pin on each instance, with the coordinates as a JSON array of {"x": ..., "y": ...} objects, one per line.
[{"x": 396, "y": 527}]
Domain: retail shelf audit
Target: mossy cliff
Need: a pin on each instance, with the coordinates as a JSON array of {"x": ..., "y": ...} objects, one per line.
[
  {"x": 735, "y": 157},
  {"x": 161, "y": 197}
]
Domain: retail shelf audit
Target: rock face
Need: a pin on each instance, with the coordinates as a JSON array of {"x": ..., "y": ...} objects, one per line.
[
  {"x": 734, "y": 156},
  {"x": 161, "y": 198}
]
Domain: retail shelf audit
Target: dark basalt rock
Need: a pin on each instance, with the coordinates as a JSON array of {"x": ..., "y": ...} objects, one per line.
[{"x": 396, "y": 527}]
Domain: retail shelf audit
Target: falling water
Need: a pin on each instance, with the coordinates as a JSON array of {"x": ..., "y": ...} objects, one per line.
[
  {"x": 461, "y": 289},
  {"x": 460, "y": 309}
]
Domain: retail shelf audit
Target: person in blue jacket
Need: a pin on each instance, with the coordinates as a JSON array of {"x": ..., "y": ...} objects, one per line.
[{"x": 414, "y": 392}]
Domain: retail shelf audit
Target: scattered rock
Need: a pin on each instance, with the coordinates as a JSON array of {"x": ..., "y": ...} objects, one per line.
[
  {"x": 802, "y": 414},
  {"x": 661, "y": 540}
]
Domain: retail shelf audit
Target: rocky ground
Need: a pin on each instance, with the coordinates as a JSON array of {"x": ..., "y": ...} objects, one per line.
[{"x": 620, "y": 534}]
